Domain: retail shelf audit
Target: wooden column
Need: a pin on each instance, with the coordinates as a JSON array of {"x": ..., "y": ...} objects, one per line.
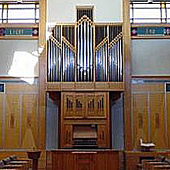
[
  {"x": 42, "y": 73},
  {"x": 126, "y": 43}
]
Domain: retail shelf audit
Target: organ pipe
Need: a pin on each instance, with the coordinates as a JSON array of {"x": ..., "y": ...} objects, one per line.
[{"x": 71, "y": 59}]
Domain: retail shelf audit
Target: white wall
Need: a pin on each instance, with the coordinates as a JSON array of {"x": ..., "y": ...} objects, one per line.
[
  {"x": 19, "y": 58},
  {"x": 65, "y": 11},
  {"x": 150, "y": 57}
]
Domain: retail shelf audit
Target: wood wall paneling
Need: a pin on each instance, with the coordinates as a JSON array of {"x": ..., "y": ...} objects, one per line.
[
  {"x": 140, "y": 119},
  {"x": 168, "y": 116},
  {"x": 12, "y": 121},
  {"x": 84, "y": 161},
  {"x": 30, "y": 123},
  {"x": 42, "y": 99},
  {"x": 127, "y": 76},
  {"x": 150, "y": 114},
  {"x": 158, "y": 132},
  {"x": 18, "y": 113},
  {"x": 1, "y": 119},
  {"x": 42, "y": 72},
  {"x": 102, "y": 161}
]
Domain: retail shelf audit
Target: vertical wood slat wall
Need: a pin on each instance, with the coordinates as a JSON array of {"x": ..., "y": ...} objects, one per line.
[
  {"x": 19, "y": 116},
  {"x": 150, "y": 114},
  {"x": 127, "y": 74}
]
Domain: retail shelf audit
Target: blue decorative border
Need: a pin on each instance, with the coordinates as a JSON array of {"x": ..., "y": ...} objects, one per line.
[
  {"x": 150, "y": 31},
  {"x": 19, "y": 31}
]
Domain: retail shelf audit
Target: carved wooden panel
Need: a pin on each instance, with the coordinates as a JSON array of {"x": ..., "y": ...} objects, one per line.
[
  {"x": 158, "y": 135},
  {"x": 85, "y": 105},
  {"x": 90, "y": 105},
  {"x": 29, "y": 119},
  {"x": 12, "y": 121},
  {"x": 80, "y": 105},
  {"x": 102, "y": 140},
  {"x": 69, "y": 105},
  {"x": 100, "y": 105},
  {"x": 140, "y": 119},
  {"x": 68, "y": 136}
]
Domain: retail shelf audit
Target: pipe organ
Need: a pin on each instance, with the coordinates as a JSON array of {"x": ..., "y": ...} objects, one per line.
[
  {"x": 85, "y": 62},
  {"x": 85, "y": 52}
]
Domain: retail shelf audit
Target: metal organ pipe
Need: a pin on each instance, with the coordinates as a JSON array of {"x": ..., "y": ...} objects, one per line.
[
  {"x": 85, "y": 57},
  {"x": 84, "y": 49},
  {"x": 88, "y": 69},
  {"x": 108, "y": 54},
  {"x": 121, "y": 61},
  {"x": 81, "y": 59},
  {"x": 91, "y": 53},
  {"x": 78, "y": 54},
  {"x": 48, "y": 59}
]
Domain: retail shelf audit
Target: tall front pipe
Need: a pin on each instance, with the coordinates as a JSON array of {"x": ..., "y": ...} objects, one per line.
[
  {"x": 91, "y": 52},
  {"x": 88, "y": 65},
  {"x": 120, "y": 44},
  {"x": 49, "y": 56},
  {"x": 85, "y": 57},
  {"x": 78, "y": 54},
  {"x": 63, "y": 55},
  {"x": 81, "y": 59},
  {"x": 106, "y": 61},
  {"x": 118, "y": 61}
]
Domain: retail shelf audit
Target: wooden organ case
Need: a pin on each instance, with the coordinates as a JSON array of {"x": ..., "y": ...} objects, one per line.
[
  {"x": 85, "y": 64},
  {"x": 85, "y": 121}
]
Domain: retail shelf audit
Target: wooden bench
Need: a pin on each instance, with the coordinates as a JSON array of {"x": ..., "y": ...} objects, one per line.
[
  {"x": 8, "y": 163},
  {"x": 159, "y": 167},
  {"x": 151, "y": 164},
  {"x": 21, "y": 160}
]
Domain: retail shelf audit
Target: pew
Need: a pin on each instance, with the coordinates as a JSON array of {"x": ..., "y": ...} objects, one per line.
[
  {"x": 14, "y": 163},
  {"x": 8, "y": 162},
  {"x": 151, "y": 164},
  {"x": 146, "y": 161},
  {"x": 159, "y": 167}
]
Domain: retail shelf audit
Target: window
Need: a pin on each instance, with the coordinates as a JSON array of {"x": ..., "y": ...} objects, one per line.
[
  {"x": 19, "y": 13},
  {"x": 143, "y": 12}
]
